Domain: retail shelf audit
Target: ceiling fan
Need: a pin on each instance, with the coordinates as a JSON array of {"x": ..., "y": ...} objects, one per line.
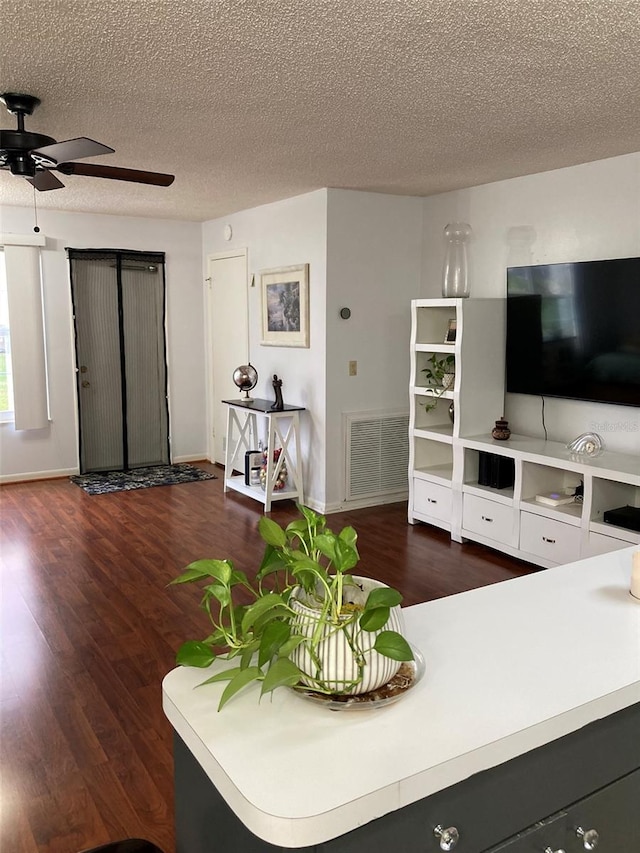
[{"x": 35, "y": 156}]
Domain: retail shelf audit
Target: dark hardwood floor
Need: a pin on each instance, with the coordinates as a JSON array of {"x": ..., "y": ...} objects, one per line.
[{"x": 89, "y": 629}]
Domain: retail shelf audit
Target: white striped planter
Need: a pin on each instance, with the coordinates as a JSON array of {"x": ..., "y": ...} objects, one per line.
[{"x": 339, "y": 667}]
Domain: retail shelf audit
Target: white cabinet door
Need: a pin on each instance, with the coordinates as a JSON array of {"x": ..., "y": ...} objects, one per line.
[
  {"x": 598, "y": 543},
  {"x": 489, "y": 518},
  {"x": 432, "y": 500},
  {"x": 545, "y": 537}
]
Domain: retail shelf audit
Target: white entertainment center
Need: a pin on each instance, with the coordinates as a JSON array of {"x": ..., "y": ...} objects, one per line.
[{"x": 444, "y": 453}]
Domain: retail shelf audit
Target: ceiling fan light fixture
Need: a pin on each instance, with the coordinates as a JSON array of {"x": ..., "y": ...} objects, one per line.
[
  {"x": 19, "y": 105},
  {"x": 23, "y": 165},
  {"x": 33, "y": 155}
]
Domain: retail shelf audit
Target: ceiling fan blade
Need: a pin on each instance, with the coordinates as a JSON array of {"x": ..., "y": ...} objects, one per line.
[
  {"x": 45, "y": 180},
  {"x": 114, "y": 173},
  {"x": 72, "y": 149}
]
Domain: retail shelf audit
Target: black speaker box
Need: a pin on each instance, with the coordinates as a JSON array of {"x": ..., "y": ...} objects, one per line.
[
  {"x": 495, "y": 471},
  {"x": 624, "y": 516}
]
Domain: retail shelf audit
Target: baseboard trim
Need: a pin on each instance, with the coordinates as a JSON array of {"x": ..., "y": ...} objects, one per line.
[
  {"x": 360, "y": 503},
  {"x": 28, "y": 476}
]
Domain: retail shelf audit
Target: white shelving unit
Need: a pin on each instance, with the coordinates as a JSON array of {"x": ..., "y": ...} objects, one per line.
[
  {"x": 444, "y": 456},
  {"x": 548, "y": 535},
  {"x": 435, "y": 449}
]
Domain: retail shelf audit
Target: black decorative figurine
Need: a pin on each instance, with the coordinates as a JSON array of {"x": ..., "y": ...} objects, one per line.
[{"x": 278, "y": 406}]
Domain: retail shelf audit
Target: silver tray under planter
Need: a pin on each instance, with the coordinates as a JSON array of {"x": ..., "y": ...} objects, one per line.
[{"x": 409, "y": 674}]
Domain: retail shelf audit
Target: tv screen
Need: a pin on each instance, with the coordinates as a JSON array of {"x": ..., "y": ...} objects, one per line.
[{"x": 573, "y": 331}]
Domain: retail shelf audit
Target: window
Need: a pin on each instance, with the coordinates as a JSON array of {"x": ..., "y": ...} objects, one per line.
[{"x": 6, "y": 383}]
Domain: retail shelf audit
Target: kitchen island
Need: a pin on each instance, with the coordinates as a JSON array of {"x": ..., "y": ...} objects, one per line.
[{"x": 530, "y": 704}]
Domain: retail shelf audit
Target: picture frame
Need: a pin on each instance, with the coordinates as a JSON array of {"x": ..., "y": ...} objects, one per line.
[
  {"x": 285, "y": 306},
  {"x": 450, "y": 337}
]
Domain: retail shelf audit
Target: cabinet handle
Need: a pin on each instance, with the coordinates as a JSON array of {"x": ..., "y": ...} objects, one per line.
[
  {"x": 448, "y": 837},
  {"x": 432, "y": 501},
  {"x": 550, "y": 541},
  {"x": 484, "y": 518},
  {"x": 551, "y": 850},
  {"x": 590, "y": 837}
]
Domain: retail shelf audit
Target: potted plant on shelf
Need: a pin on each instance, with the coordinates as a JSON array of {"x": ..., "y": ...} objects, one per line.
[
  {"x": 440, "y": 376},
  {"x": 308, "y": 624}
]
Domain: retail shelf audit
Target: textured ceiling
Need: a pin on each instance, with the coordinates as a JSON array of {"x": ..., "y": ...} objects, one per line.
[{"x": 250, "y": 101}]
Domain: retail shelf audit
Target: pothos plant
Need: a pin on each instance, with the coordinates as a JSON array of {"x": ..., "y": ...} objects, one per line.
[
  {"x": 305, "y": 557},
  {"x": 438, "y": 367}
]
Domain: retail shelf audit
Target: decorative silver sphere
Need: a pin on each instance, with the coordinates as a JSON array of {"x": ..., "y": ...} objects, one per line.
[{"x": 246, "y": 378}]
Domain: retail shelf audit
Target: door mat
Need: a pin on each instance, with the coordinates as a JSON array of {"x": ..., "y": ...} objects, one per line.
[{"x": 102, "y": 482}]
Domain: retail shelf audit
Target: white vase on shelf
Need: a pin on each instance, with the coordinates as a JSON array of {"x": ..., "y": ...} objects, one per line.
[{"x": 455, "y": 273}]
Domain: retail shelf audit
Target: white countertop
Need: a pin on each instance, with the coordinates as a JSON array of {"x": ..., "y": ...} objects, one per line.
[{"x": 509, "y": 667}]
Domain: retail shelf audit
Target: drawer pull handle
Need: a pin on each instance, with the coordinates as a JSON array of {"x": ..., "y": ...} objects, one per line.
[
  {"x": 432, "y": 501},
  {"x": 484, "y": 518},
  {"x": 550, "y": 541},
  {"x": 589, "y": 837},
  {"x": 551, "y": 850},
  {"x": 448, "y": 837}
]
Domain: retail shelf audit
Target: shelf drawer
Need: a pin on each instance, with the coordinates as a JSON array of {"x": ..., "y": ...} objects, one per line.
[
  {"x": 431, "y": 499},
  {"x": 598, "y": 543},
  {"x": 489, "y": 518},
  {"x": 545, "y": 537}
]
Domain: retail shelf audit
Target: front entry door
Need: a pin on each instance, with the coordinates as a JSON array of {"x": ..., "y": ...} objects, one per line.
[
  {"x": 118, "y": 304},
  {"x": 228, "y": 338}
]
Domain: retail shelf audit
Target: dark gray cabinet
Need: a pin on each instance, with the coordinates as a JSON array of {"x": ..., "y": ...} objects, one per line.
[
  {"x": 613, "y": 813},
  {"x": 551, "y": 799},
  {"x": 607, "y": 821},
  {"x": 543, "y": 836}
]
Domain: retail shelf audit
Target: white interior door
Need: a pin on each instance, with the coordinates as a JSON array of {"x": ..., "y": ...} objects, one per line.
[{"x": 228, "y": 338}]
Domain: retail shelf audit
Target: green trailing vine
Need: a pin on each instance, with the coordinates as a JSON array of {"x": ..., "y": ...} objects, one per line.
[
  {"x": 306, "y": 557},
  {"x": 438, "y": 366}
]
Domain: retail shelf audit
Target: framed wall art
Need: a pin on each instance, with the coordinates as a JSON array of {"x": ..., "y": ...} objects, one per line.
[
  {"x": 285, "y": 306},
  {"x": 450, "y": 337}
]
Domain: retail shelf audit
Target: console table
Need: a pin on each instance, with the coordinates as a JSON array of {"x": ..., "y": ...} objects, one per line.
[
  {"x": 522, "y": 733},
  {"x": 283, "y": 430}
]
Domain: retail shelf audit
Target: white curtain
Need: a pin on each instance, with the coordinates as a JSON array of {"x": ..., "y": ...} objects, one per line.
[{"x": 24, "y": 292}]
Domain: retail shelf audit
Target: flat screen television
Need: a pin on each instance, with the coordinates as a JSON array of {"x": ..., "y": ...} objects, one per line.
[{"x": 573, "y": 331}]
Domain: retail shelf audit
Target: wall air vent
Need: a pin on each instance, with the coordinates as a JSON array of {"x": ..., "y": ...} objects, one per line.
[{"x": 377, "y": 454}]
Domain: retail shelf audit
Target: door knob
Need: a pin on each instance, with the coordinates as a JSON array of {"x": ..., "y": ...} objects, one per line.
[
  {"x": 448, "y": 837},
  {"x": 590, "y": 837}
]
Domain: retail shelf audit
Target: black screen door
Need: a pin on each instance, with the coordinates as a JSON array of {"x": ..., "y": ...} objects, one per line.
[{"x": 119, "y": 315}]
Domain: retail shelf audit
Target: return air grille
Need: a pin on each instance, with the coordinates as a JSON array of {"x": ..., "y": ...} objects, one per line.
[{"x": 377, "y": 454}]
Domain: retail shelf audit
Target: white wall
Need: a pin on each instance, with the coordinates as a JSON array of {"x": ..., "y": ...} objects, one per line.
[
  {"x": 293, "y": 231},
  {"x": 374, "y": 256},
  {"x": 369, "y": 252},
  {"x": 54, "y": 451},
  {"x": 363, "y": 251},
  {"x": 575, "y": 214}
]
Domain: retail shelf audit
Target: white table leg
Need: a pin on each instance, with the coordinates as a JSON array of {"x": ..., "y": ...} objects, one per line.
[{"x": 236, "y": 448}]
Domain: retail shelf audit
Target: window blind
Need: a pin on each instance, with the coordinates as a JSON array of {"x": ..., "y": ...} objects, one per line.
[{"x": 24, "y": 293}]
